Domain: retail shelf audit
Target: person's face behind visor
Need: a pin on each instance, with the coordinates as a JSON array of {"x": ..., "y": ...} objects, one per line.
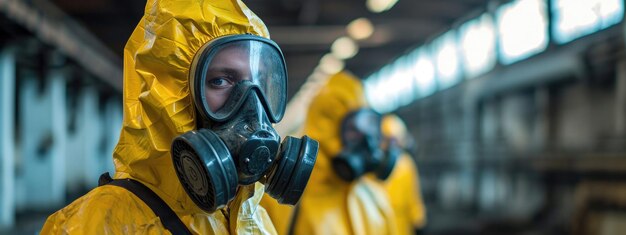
[
  {"x": 226, "y": 72},
  {"x": 361, "y": 151},
  {"x": 362, "y": 127},
  {"x": 229, "y": 66}
]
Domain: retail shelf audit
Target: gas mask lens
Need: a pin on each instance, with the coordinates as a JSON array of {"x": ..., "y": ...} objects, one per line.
[{"x": 250, "y": 61}]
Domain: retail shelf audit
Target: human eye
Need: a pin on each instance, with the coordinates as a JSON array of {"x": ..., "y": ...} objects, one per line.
[{"x": 219, "y": 83}]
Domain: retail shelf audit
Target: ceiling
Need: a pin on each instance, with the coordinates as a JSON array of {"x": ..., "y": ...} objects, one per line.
[{"x": 304, "y": 29}]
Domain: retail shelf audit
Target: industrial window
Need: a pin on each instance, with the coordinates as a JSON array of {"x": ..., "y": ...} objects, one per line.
[
  {"x": 573, "y": 19},
  {"x": 522, "y": 29},
  {"x": 477, "y": 42},
  {"x": 446, "y": 58}
]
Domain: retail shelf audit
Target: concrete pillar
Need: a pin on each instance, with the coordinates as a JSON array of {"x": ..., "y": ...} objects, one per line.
[
  {"x": 110, "y": 136},
  {"x": 449, "y": 190},
  {"x": 517, "y": 121},
  {"x": 470, "y": 148},
  {"x": 487, "y": 195},
  {"x": 503, "y": 185},
  {"x": 43, "y": 130},
  {"x": 469, "y": 142},
  {"x": 527, "y": 195},
  {"x": 495, "y": 189},
  {"x": 620, "y": 99},
  {"x": 541, "y": 125},
  {"x": 490, "y": 130},
  {"x": 92, "y": 125},
  {"x": 83, "y": 140},
  {"x": 74, "y": 145},
  {"x": 7, "y": 136}
]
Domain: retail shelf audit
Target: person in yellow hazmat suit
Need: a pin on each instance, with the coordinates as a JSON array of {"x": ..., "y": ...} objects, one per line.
[
  {"x": 403, "y": 184},
  {"x": 338, "y": 199},
  {"x": 203, "y": 86}
]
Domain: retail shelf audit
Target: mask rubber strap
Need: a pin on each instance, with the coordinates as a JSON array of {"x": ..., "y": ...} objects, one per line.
[{"x": 169, "y": 219}]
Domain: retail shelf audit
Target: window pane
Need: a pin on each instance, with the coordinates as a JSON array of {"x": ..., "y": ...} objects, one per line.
[
  {"x": 522, "y": 29},
  {"x": 446, "y": 58},
  {"x": 576, "y": 18},
  {"x": 477, "y": 40}
]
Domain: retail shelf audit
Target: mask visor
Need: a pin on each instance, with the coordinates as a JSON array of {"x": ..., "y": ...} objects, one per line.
[{"x": 226, "y": 63}]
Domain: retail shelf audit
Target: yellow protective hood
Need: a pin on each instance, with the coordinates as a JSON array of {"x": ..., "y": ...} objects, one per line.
[
  {"x": 342, "y": 94},
  {"x": 393, "y": 127},
  {"x": 403, "y": 185},
  {"x": 157, "y": 108},
  {"x": 157, "y": 101}
]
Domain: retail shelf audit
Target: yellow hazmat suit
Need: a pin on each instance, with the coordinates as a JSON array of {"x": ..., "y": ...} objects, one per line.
[
  {"x": 158, "y": 107},
  {"x": 330, "y": 205},
  {"x": 403, "y": 184}
]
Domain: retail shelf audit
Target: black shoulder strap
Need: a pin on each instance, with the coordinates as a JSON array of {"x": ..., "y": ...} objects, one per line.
[
  {"x": 169, "y": 219},
  {"x": 294, "y": 219}
]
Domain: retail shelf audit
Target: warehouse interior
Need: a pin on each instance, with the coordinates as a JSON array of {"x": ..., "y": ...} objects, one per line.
[{"x": 517, "y": 107}]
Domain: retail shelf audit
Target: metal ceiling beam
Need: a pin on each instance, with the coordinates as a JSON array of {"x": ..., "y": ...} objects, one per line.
[
  {"x": 310, "y": 12},
  {"x": 438, "y": 10},
  {"x": 306, "y": 35},
  {"x": 53, "y": 27},
  {"x": 72, "y": 6},
  {"x": 389, "y": 31}
]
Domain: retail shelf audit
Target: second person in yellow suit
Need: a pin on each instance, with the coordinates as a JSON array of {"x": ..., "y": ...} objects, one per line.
[
  {"x": 403, "y": 184},
  {"x": 203, "y": 85},
  {"x": 330, "y": 203}
]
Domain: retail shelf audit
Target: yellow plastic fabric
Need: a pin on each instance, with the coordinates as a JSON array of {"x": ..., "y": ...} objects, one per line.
[
  {"x": 157, "y": 108},
  {"x": 329, "y": 205},
  {"x": 403, "y": 185}
]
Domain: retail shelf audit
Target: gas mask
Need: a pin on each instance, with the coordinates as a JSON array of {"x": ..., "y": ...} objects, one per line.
[
  {"x": 362, "y": 153},
  {"x": 238, "y": 84}
]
